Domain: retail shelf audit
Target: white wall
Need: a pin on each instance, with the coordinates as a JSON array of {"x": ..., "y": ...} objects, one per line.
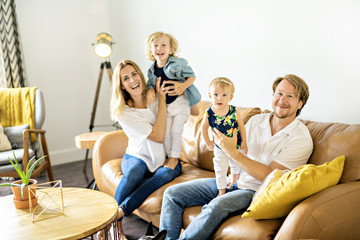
[
  {"x": 56, "y": 38},
  {"x": 251, "y": 42}
]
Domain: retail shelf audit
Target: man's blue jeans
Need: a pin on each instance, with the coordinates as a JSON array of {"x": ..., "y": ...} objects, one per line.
[
  {"x": 198, "y": 193},
  {"x": 138, "y": 182}
]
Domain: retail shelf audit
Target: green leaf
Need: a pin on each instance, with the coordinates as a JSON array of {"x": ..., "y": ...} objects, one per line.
[
  {"x": 34, "y": 165},
  {"x": 22, "y": 189},
  {"x": 17, "y": 167},
  {"x": 9, "y": 185}
]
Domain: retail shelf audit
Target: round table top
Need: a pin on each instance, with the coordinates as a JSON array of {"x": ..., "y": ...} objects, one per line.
[
  {"x": 87, "y": 140},
  {"x": 86, "y": 211}
]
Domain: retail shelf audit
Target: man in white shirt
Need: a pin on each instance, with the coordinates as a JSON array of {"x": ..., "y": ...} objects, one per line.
[{"x": 277, "y": 140}]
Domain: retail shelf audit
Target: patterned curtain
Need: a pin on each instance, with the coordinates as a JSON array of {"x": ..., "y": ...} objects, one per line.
[{"x": 12, "y": 68}]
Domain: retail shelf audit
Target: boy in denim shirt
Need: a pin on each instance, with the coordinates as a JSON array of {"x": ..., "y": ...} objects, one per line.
[{"x": 182, "y": 96}]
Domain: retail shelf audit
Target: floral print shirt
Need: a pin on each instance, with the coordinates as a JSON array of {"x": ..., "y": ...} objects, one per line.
[{"x": 225, "y": 124}]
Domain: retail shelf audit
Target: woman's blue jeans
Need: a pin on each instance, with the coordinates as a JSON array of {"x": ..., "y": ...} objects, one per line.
[
  {"x": 138, "y": 182},
  {"x": 200, "y": 192}
]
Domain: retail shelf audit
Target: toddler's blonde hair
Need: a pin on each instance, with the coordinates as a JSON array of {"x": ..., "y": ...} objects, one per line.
[
  {"x": 155, "y": 36},
  {"x": 223, "y": 82}
]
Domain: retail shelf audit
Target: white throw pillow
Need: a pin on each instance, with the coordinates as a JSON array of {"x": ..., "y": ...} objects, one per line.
[{"x": 4, "y": 141}]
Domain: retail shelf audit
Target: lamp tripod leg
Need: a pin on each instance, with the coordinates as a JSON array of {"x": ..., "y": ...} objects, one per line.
[
  {"x": 109, "y": 70},
  {"x": 93, "y": 112}
]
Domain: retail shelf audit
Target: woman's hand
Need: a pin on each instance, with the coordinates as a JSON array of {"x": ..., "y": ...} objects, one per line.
[
  {"x": 150, "y": 96},
  {"x": 227, "y": 144},
  {"x": 158, "y": 132},
  {"x": 177, "y": 88},
  {"x": 160, "y": 89}
]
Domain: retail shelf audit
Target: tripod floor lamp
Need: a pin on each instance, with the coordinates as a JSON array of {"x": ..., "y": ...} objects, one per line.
[{"x": 103, "y": 49}]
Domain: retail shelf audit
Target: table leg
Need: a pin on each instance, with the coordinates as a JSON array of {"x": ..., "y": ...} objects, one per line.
[{"x": 116, "y": 230}]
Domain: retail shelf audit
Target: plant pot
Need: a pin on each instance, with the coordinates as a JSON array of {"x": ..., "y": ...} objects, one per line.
[
  {"x": 22, "y": 204},
  {"x": 17, "y": 193}
]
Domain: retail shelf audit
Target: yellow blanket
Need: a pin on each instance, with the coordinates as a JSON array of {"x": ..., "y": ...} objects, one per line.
[{"x": 17, "y": 107}]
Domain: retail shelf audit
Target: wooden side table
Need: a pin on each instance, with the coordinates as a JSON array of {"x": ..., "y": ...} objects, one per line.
[
  {"x": 85, "y": 213},
  {"x": 87, "y": 141}
]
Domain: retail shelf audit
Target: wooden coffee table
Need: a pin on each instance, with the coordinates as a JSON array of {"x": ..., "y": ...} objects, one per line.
[{"x": 85, "y": 212}]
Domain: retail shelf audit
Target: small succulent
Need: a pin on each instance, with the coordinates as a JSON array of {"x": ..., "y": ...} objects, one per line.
[{"x": 24, "y": 175}]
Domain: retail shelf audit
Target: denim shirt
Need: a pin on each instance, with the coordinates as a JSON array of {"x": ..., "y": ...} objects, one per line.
[{"x": 177, "y": 69}]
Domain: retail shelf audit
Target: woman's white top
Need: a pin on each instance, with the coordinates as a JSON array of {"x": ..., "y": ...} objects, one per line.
[{"x": 137, "y": 125}]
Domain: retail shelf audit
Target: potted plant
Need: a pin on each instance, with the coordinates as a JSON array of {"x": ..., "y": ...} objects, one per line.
[{"x": 20, "y": 187}]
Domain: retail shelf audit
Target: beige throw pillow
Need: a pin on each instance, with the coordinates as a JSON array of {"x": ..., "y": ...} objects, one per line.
[{"x": 4, "y": 141}]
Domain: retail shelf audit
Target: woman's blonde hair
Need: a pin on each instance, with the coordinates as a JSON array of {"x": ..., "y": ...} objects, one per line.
[
  {"x": 223, "y": 82},
  {"x": 155, "y": 36},
  {"x": 120, "y": 97},
  {"x": 301, "y": 88}
]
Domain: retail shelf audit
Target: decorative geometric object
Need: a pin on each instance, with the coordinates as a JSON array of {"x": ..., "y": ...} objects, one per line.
[{"x": 50, "y": 201}]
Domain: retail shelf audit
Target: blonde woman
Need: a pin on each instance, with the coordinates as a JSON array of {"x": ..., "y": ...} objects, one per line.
[{"x": 144, "y": 165}]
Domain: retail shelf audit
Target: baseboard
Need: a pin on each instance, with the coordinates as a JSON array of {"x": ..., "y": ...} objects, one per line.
[{"x": 68, "y": 155}]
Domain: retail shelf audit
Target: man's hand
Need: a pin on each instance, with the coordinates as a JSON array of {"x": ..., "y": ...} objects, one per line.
[{"x": 227, "y": 144}]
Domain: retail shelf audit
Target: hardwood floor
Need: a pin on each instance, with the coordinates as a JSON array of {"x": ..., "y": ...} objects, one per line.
[{"x": 72, "y": 175}]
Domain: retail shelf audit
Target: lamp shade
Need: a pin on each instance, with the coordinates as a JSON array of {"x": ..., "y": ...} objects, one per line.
[{"x": 103, "y": 45}]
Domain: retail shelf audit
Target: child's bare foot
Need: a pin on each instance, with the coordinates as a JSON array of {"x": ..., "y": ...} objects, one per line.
[
  {"x": 171, "y": 163},
  {"x": 120, "y": 213}
]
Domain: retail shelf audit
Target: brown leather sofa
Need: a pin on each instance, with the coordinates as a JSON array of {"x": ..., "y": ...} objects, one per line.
[{"x": 333, "y": 213}]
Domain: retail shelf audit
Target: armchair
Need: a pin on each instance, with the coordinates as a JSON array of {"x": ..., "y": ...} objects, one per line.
[{"x": 22, "y": 114}]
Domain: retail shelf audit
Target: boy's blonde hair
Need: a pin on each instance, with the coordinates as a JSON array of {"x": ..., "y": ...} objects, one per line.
[
  {"x": 223, "y": 82},
  {"x": 155, "y": 36},
  {"x": 119, "y": 96}
]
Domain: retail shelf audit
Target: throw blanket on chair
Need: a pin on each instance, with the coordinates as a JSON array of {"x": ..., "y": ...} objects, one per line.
[{"x": 17, "y": 107}]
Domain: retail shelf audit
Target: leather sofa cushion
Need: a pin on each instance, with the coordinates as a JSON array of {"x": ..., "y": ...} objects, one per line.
[{"x": 334, "y": 139}]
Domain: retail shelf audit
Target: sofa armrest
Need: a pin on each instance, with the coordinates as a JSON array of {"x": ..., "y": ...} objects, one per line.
[
  {"x": 109, "y": 147},
  {"x": 333, "y": 213}
]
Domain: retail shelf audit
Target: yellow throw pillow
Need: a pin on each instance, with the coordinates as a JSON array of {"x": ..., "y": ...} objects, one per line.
[{"x": 285, "y": 190}]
